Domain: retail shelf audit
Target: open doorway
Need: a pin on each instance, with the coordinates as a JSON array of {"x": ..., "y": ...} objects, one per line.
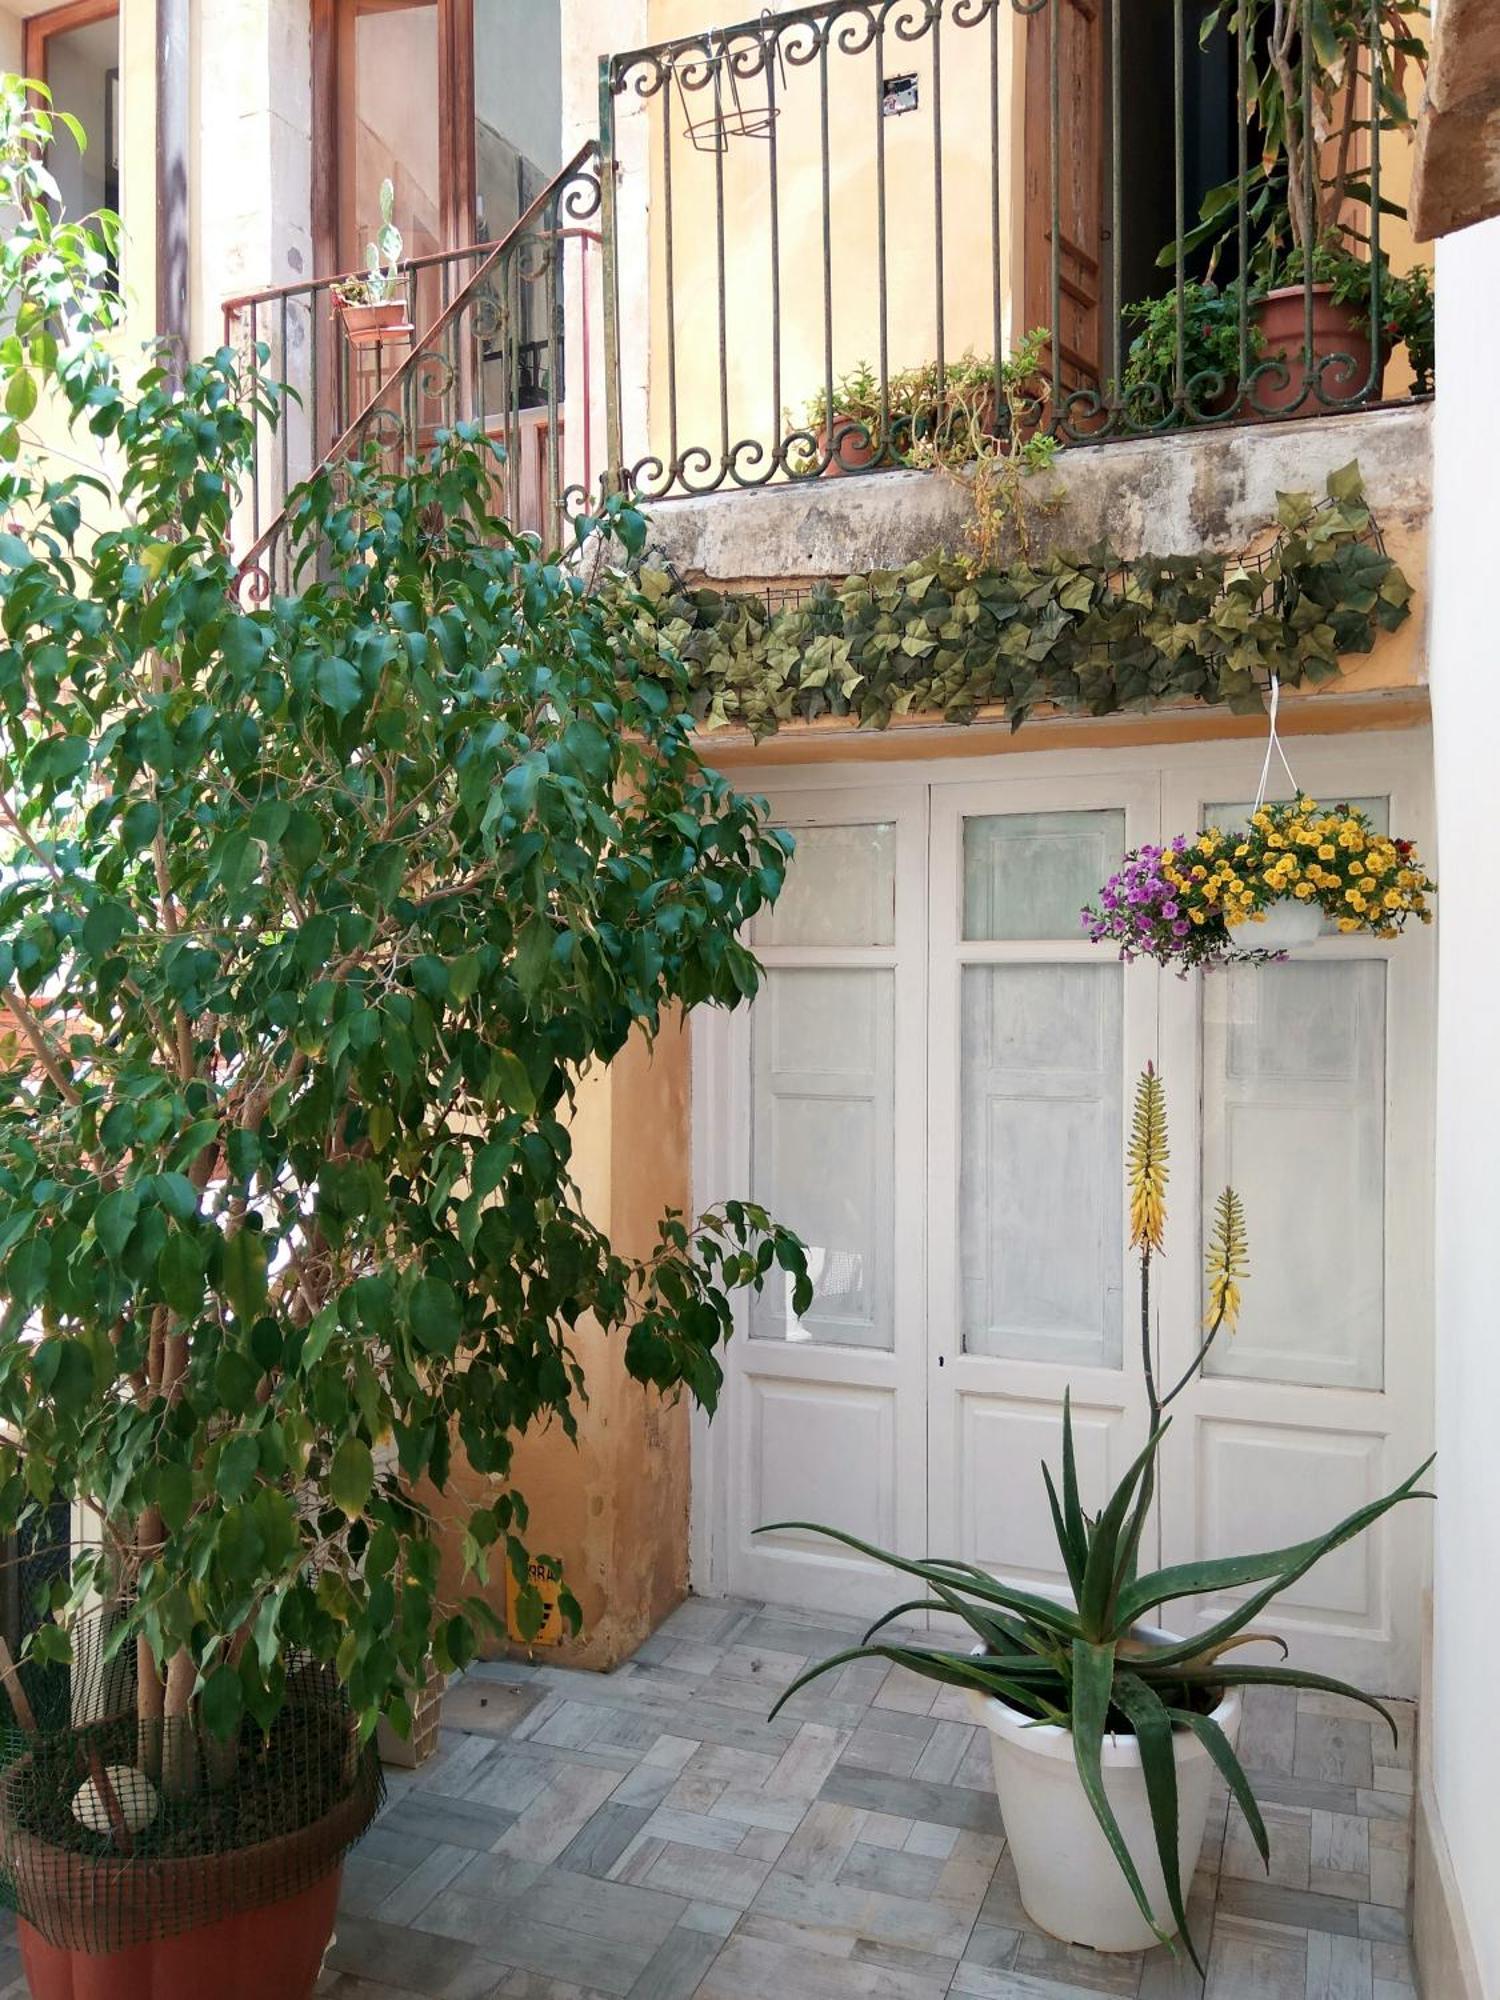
[{"x": 1072, "y": 47}]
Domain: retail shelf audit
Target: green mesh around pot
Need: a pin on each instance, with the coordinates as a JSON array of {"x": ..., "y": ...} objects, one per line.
[{"x": 113, "y": 1833}]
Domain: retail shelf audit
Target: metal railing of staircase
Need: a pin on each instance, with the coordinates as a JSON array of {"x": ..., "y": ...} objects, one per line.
[{"x": 491, "y": 350}]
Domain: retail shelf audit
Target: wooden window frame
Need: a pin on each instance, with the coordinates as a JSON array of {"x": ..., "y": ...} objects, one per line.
[
  {"x": 38, "y": 30},
  {"x": 332, "y": 112}
]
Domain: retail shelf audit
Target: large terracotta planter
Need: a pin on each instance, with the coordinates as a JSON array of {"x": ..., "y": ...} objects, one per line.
[
  {"x": 1337, "y": 331},
  {"x": 237, "y": 1923},
  {"x": 273, "y": 1953}
]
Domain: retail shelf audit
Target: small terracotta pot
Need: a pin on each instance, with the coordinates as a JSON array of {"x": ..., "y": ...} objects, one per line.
[
  {"x": 1340, "y": 330},
  {"x": 844, "y": 442},
  {"x": 375, "y": 325},
  {"x": 275, "y": 1950}
]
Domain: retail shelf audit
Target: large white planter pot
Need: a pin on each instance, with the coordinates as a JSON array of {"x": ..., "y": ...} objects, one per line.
[
  {"x": 1070, "y": 1881},
  {"x": 1287, "y": 923}
]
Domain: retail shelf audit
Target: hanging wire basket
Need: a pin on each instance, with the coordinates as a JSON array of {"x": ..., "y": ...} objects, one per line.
[{"x": 723, "y": 69}]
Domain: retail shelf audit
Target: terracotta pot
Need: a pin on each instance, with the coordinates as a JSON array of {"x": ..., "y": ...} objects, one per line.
[
  {"x": 845, "y": 444},
  {"x": 266, "y": 1910},
  {"x": 1337, "y": 330},
  {"x": 375, "y": 325},
  {"x": 276, "y": 1950}
]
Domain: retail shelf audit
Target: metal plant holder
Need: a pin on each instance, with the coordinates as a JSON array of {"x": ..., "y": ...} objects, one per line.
[{"x": 722, "y": 69}]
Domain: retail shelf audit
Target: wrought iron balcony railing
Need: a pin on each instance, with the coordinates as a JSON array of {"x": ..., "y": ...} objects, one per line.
[
  {"x": 483, "y": 341},
  {"x": 827, "y": 229}
]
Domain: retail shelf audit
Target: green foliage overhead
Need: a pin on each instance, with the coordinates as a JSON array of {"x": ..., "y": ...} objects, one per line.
[
  {"x": 313, "y": 917},
  {"x": 1086, "y": 634}
]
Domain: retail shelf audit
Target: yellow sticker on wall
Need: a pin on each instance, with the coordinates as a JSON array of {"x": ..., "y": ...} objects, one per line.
[{"x": 545, "y": 1578}]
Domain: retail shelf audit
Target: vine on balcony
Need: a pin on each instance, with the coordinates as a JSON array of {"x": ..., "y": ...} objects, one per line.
[{"x": 1085, "y": 634}]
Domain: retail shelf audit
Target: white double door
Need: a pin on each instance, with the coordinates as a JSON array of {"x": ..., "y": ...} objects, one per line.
[{"x": 934, "y": 1089}]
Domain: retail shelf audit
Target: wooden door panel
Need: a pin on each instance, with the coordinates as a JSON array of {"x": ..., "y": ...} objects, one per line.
[{"x": 1071, "y": 32}]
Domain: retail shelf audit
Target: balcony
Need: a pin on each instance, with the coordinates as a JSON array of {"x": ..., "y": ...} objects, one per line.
[{"x": 852, "y": 237}]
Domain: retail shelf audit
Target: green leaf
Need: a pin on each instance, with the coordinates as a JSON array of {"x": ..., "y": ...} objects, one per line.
[
  {"x": 1093, "y": 1690},
  {"x": 239, "y": 1462},
  {"x": 434, "y": 1316},
  {"x": 245, "y": 1272},
  {"x": 514, "y": 1083},
  {"x": 179, "y": 1272},
  {"x": 1218, "y": 1746},
  {"x": 338, "y": 686},
  {"x": 1153, "y": 1734},
  {"x": 222, "y": 1702},
  {"x": 351, "y": 1476},
  {"x": 174, "y": 1494}
]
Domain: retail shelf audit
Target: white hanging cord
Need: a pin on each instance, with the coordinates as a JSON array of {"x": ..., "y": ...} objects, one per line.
[{"x": 1273, "y": 744}]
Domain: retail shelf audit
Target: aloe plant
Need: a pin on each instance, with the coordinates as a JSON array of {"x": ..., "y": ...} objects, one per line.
[{"x": 1080, "y": 1662}]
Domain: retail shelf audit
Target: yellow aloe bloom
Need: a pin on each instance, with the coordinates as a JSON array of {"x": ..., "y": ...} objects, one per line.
[
  {"x": 1227, "y": 1262},
  {"x": 1147, "y": 1172}
]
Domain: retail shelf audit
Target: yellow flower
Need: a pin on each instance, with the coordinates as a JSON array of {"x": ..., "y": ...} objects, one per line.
[
  {"x": 1392, "y": 899},
  {"x": 1325, "y": 852},
  {"x": 1147, "y": 1166},
  {"x": 1348, "y": 924},
  {"x": 1302, "y": 891},
  {"x": 1228, "y": 1261}
]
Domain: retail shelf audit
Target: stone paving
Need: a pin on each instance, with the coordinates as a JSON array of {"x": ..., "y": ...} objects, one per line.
[{"x": 649, "y": 1834}]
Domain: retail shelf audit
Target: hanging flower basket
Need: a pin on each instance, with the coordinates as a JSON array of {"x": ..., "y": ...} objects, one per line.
[{"x": 1214, "y": 898}]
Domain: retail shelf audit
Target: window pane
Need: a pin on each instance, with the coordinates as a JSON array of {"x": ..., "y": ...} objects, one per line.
[
  {"x": 1028, "y": 875},
  {"x": 840, "y": 888},
  {"x": 1233, "y": 818},
  {"x": 822, "y": 1145},
  {"x": 517, "y": 108},
  {"x": 1294, "y": 1119},
  {"x": 1040, "y": 1203},
  {"x": 83, "y": 74},
  {"x": 396, "y": 127}
]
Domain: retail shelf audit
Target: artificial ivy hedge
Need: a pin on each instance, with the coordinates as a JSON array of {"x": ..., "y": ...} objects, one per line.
[{"x": 1084, "y": 634}]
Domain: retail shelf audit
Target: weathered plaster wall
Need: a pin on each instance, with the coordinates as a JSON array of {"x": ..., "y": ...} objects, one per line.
[
  {"x": 1168, "y": 496},
  {"x": 614, "y": 1506}
]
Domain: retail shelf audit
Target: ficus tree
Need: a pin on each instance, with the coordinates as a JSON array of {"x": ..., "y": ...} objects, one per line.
[{"x": 316, "y": 913}]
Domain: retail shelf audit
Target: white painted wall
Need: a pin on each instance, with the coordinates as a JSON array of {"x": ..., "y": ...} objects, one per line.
[{"x": 1465, "y": 1753}]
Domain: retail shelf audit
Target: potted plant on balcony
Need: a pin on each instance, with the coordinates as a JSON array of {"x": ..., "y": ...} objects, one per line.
[
  {"x": 1313, "y": 98},
  {"x": 1210, "y": 363},
  {"x": 312, "y": 916},
  {"x": 372, "y": 307},
  {"x": 1106, "y": 1729},
  {"x": 1210, "y": 898}
]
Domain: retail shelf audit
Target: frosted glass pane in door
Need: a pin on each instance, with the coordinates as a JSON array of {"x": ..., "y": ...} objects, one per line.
[
  {"x": 840, "y": 888},
  {"x": 1028, "y": 875},
  {"x": 1294, "y": 1118},
  {"x": 1040, "y": 1217},
  {"x": 822, "y": 1148}
]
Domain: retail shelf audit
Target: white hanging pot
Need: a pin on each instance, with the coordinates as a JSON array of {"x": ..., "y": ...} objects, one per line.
[
  {"x": 1069, "y": 1879},
  {"x": 1287, "y": 923}
]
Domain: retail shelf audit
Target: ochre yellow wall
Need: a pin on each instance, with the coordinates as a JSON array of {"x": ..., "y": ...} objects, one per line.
[
  {"x": 754, "y": 408},
  {"x": 853, "y": 123},
  {"x": 615, "y": 1506}
]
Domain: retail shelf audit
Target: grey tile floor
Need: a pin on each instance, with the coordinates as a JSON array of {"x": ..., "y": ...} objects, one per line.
[{"x": 649, "y": 1834}]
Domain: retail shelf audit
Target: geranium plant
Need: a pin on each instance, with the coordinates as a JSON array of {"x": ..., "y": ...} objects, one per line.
[{"x": 1197, "y": 900}]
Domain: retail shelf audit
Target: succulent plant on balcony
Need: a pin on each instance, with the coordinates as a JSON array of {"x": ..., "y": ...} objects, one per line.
[
  {"x": 314, "y": 914},
  {"x": 372, "y": 305},
  {"x": 1106, "y": 1730}
]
